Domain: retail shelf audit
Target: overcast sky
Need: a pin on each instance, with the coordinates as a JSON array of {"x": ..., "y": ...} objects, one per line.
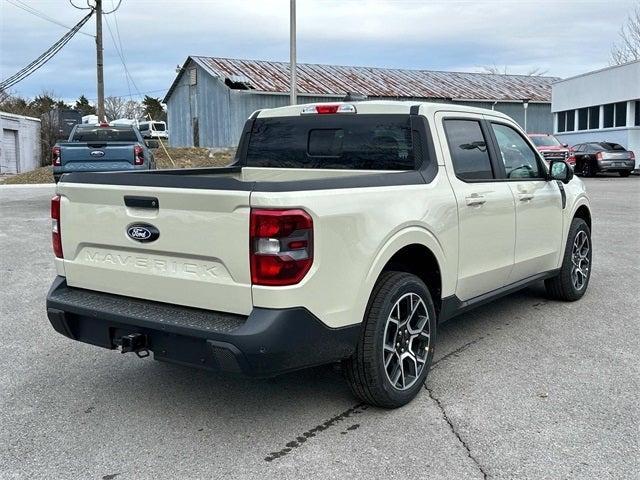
[{"x": 564, "y": 37}]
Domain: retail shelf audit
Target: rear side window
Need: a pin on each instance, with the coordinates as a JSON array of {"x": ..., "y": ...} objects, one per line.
[
  {"x": 340, "y": 141},
  {"x": 104, "y": 134},
  {"x": 468, "y": 149}
]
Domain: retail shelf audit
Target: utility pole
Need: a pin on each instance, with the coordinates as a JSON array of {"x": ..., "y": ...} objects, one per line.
[
  {"x": 99, "y": 61},
  {"x": 292, "y": 51}
]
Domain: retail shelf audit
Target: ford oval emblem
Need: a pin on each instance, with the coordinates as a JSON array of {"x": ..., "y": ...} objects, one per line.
[
  {"x": 97, "y": 153},
  {"x": 142, "y": 232}
]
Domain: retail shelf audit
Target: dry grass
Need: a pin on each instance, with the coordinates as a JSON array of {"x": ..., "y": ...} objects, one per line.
[{"x": 182, "y": 157}]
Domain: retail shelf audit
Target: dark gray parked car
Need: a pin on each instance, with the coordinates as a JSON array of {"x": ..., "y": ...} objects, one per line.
[
  {"x": 103, "y": 148},
  {"x": 595, "y": 157}
]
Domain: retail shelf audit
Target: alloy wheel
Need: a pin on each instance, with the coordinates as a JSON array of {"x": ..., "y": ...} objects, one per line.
[
  {"x": 406, "y": 341},
  {"x": 581, "y": 262}
]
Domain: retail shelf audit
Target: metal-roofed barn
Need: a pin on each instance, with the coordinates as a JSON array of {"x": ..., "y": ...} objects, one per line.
[{"x": 211, "y": 97}]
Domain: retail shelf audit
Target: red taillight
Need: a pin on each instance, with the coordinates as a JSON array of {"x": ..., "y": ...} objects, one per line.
[
  {"x": 632, "y": 155},
  {"x": 571, "y": 160},
  {"x": 55, "y": 157},
  {"x": 104, "y": 125},
  {"x": 281, "y": 246},
  {"x": 599, "y": 156},
  {"x": 56, "y": 233},
  {"x": 138, "y": 155}
]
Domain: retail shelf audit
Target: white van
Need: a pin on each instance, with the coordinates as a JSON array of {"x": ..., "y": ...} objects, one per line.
[{"x": 153, "y": 129}]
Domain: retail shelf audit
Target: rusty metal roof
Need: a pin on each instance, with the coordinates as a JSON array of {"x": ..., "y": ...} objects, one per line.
[{"x": 315, "y": 79}]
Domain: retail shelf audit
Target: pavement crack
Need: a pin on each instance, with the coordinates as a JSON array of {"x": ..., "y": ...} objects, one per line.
[
  {"x": 455, "y": 432},
  {"x": 456, "y": 351}
]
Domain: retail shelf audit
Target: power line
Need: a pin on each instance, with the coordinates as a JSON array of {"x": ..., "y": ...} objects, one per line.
[
  {"x": 27, "y": 8},
  {"x": 114, "y": 8},
  {"x": 45, "y": 57}
]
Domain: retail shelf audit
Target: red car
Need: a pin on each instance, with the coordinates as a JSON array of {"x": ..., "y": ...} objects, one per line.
[{"x": 551, "y": 148}]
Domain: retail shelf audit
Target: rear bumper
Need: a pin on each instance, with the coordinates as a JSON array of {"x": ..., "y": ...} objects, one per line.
[
  {"x": 616, "y": 166},
  {"x": 266, "y": 343}
]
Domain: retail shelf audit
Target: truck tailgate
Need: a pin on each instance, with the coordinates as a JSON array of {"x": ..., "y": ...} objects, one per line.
[
  {"x": 83, "y": 156},
  {"x": 200, "y": 259}
]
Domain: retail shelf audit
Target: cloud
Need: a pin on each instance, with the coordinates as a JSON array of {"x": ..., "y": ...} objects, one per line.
[{"x": 557, "y": 36}]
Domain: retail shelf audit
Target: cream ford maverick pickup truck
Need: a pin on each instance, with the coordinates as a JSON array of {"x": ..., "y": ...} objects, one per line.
[{"x": 343, "y": 232}]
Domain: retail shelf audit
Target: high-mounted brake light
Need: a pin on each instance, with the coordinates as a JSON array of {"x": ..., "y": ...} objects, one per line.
[
  {"x": 55, "y": 157},
  {"x": 138, "y": 155},
  {"x": 329, "y": 108},
  {"x": 56, "y": 233},
  {"x": 281, "y": 246}
]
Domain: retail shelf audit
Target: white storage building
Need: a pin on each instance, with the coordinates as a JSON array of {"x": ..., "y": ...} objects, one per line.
[
  {"x": 20, "y": 149},
  {"x": 599, "y": 106}
]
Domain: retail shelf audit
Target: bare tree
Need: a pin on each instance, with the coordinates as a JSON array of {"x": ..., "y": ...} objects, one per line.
[
  {"x": 627, "y": 49},
  {"x": 496, "y": 70},
  {"x": 133, "y": 109},
  {"x": 114, "y": 108}
]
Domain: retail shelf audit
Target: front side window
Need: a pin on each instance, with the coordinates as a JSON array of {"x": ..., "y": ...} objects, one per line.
[
  {"x": 468, "y": 149},
  {"x": 520, "y": 161}
]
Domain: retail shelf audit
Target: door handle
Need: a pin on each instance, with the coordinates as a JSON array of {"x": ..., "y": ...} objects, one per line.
[
  {"x": 475, "y": 200},
  {"x": 525, "y": 197}
]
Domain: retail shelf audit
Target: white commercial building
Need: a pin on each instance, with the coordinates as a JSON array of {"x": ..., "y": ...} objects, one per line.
[
  {"x": 20, "y": 149},
  {"x": 599, "y": 106}
]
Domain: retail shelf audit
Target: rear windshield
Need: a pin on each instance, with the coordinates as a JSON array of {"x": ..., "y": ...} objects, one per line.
[
  {"x": 105, "y": 134},
  {"x": 612, "y": 146},
  {"x": 341, "y": 141},
  {"x": 158, "y": 127},
  {"x": 547, "y": 141}
]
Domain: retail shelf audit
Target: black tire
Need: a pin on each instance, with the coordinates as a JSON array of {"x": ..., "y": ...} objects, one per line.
[
  {"x": 625, "y": 173},
  {"x": 365, "y": 370},
  {"x": 588, "y": 169},
  {"x": 562, "y": 286}
]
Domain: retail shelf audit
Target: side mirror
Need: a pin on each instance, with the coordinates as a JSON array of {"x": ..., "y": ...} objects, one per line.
[
  {"x": 560, "y": 170},
  {"x": 565, "y": 145},
  {"x": 152, "y": 143}
]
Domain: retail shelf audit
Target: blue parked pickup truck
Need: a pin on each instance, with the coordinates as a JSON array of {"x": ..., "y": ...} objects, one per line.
[{"x": 103, "y": 148}]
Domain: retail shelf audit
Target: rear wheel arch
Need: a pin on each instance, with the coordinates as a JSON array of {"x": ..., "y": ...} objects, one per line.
[{"x": 420, "y": 261}]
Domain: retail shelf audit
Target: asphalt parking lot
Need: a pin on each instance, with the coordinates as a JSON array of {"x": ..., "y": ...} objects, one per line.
[{"x": 521, "y": 388}]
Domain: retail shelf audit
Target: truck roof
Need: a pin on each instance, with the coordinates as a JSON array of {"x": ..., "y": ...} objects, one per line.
[{"x": 382, "y": 107}]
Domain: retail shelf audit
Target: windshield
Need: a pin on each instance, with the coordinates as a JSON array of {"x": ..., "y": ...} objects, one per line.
[
  {"x": 546, "y": 141},
  {"x": 158, "y": 127},
  {"x": 104, "y": 134},
  {"x": 341, "y": 141}
]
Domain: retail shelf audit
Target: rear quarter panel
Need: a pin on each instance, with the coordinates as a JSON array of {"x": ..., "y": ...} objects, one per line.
[{"x": 356, "y": 232}]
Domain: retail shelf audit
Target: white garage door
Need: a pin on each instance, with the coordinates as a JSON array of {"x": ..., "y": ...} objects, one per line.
[{"x": 9, "y": 155}]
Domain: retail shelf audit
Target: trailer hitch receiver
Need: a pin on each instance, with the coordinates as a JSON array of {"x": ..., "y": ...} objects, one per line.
[{"x": 134, "y": 342}]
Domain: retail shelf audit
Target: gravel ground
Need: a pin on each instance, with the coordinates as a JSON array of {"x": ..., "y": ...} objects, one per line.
[{"x": 521, "y": 388}]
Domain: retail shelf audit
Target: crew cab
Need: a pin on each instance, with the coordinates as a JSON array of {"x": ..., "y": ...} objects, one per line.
[
  {"x": 101, "y": 148},
  {"x": 342, "y": 232},
  {"x": 551, "y": 148}
]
